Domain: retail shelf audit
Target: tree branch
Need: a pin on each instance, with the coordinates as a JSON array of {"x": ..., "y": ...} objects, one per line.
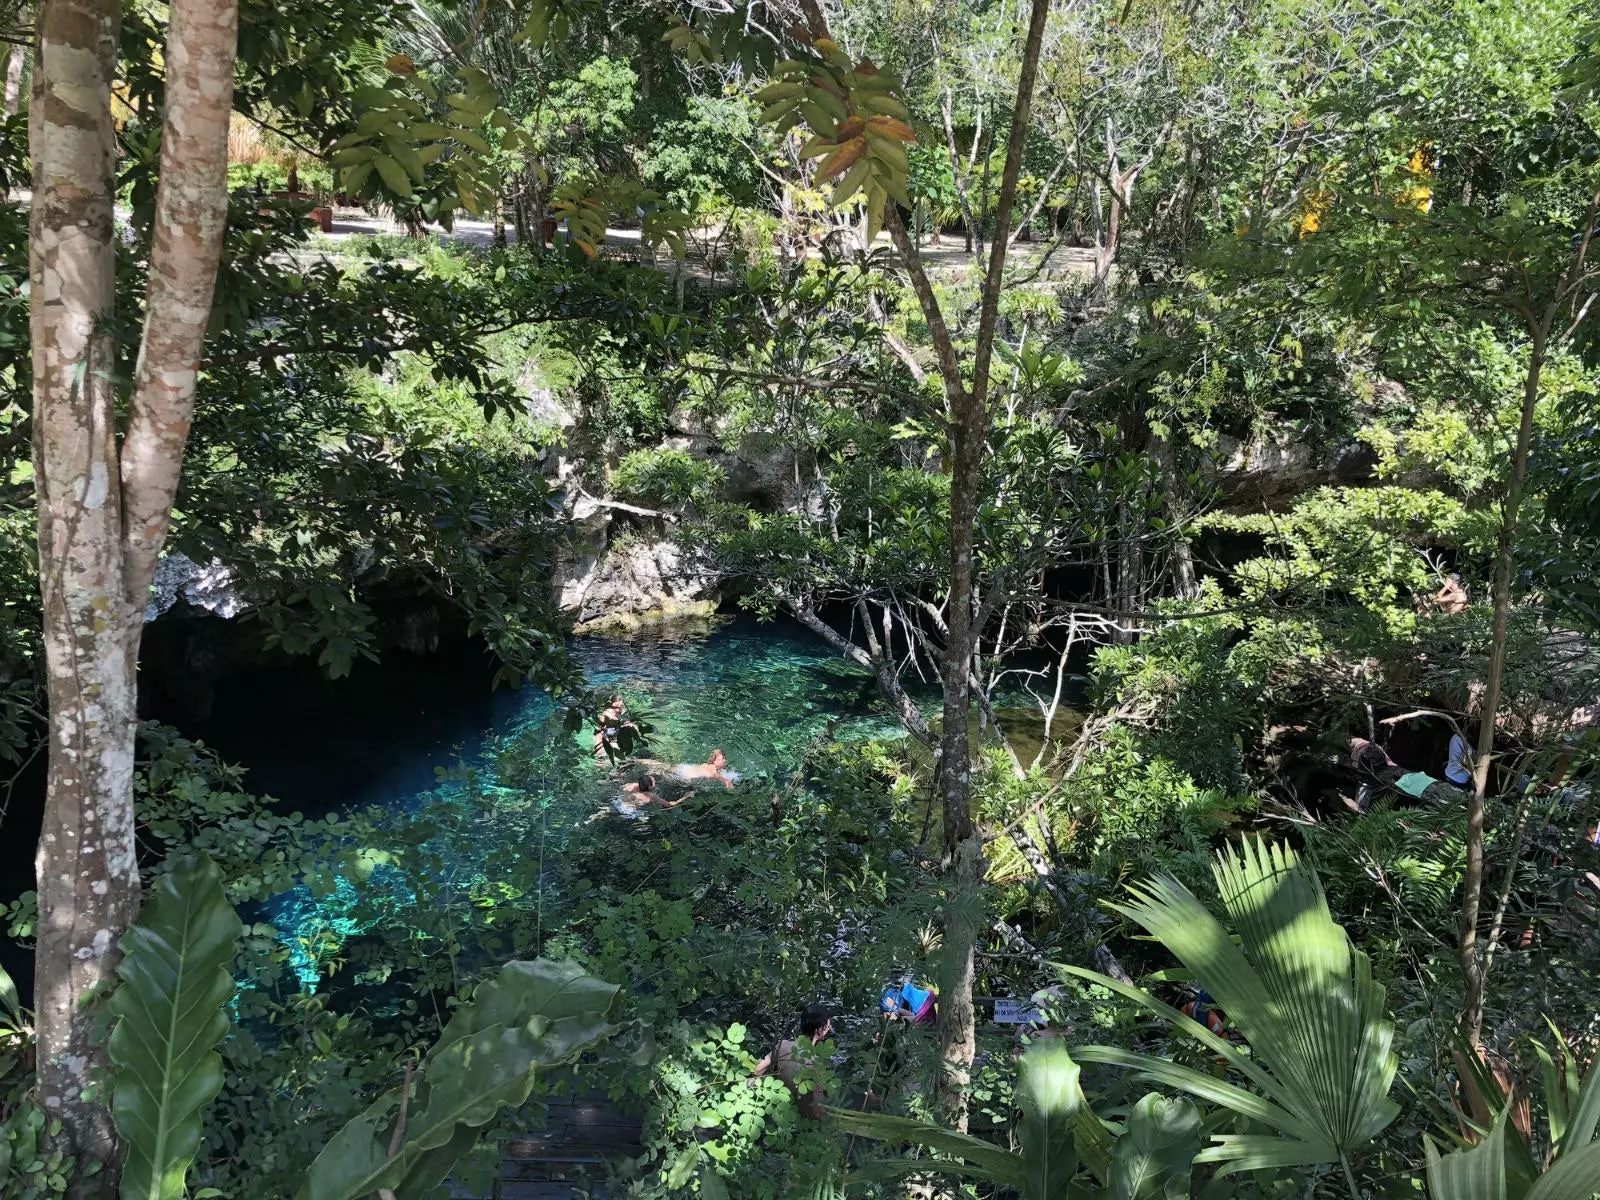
[{"x": 190, "y": 219}]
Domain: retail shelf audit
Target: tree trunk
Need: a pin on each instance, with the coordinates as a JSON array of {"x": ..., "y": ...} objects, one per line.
[
  {"x": 13, "y": 95},
  {"x": 1472, "y": 965},
  {"x": 102, "y": 522},
  {"x": 969, "y": 422},
  {"x": 88, "y": 879}
]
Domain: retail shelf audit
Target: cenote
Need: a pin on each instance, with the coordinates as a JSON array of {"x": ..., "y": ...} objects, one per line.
[{"x": 424, "y": 750}]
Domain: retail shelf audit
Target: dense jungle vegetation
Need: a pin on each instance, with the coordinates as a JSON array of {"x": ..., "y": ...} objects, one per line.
[{"x": 1175, "y": 419}]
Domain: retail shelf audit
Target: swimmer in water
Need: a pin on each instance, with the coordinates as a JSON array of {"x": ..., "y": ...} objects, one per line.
[
  {"x": 638, "y": 796},
  {"x": 715, "y": 767}
]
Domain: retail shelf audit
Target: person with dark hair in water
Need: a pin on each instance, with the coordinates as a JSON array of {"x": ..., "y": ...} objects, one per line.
[
  {"x": 638, "y": 796},
  {"x": 792, "y": 1055}
]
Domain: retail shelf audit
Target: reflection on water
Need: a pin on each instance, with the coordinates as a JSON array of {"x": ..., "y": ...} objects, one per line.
[{"x": 759, "y": 692}]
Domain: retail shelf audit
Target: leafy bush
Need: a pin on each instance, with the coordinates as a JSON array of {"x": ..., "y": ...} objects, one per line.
[{"x": 666, "y": 476}]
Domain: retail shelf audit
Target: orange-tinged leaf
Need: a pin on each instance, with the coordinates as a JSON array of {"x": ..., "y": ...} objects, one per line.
[
  {"x": 849, "y": 129},
  {"x": 842, "y": 159},
  {"x": 891, "y": 127},
  {"x": 400, "y": 64},
  {"x": 866, "y": 67}
]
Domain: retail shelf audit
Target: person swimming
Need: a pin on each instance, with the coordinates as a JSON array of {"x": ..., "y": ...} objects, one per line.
[
  {"x": 638, "y": 796},
  {"x": 715, "y": 767}
]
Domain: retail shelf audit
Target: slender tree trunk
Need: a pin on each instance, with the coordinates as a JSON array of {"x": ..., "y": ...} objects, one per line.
[
  {"x": 103, "y": 518},
  {"x": 969, "y": 421},
  {"x": 13, "y": 95},
  {"x": 1472, "y": 964}
]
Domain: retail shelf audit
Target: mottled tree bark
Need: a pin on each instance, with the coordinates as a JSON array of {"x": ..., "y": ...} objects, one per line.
[
  {"x": 102, "y": 521},
  {"x": 191, "y": 216},
  {"x": 88, "y": 880}
]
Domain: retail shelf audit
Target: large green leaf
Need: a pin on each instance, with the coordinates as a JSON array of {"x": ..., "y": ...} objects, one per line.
[
  {"x": 1320, "y": 1042},
  {"x": 1475, "y": 1174},
  {"x": 1047, "y": 1093},
  {"x": 171, "y": 1014},
  {"x": 10, "y": 1007},
  {"x": 1584, "y": 1114},
  {"x": 1154, "y": 1157},
  {"x": 1573, "y": 1176},
  {"x": 980, "y": 1159},
  {"x": 531, "y": 1014}
]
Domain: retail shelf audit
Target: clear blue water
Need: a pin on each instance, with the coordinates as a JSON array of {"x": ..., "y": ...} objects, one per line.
[{"x": 761, "y": 692}]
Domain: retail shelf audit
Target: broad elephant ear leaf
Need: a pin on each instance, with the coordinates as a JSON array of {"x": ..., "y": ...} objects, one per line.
[
  {"x": 171, "y": 1014},
  {"x": 1154, "y": 1157},
  {"x": 530, "y": 1015}
]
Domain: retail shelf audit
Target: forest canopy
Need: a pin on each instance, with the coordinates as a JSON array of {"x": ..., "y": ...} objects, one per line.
[{"x": 1118, "y": 478}]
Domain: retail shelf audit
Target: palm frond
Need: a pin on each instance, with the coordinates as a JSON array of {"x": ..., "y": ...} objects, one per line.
[{"x": 1321, "y": 1046}]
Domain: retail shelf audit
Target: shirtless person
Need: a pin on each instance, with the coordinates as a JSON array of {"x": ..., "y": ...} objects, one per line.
[
  {"x": 638, "y": 796},
  {"x": 715, "y": 767},
  {"x": 784, "y": 1062}
]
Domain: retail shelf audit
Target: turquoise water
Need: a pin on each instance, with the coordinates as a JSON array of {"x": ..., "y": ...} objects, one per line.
[{"x": 760, "y": 692}]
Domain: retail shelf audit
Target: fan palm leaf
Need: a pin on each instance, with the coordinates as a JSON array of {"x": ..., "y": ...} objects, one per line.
[{"x": 1321, "y": 1057}]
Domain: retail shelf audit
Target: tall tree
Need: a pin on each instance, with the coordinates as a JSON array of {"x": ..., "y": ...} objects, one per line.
[
  {"x": 969, "y": 420},
  {"x": 104, "y": 501}
]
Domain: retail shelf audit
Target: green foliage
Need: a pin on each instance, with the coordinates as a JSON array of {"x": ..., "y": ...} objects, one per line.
[
  {"x": 1502, "y": 1164},
  {"x": 176, "y": 979},
  {"x": 668, "y": 476},
  {"x": 1153, "y": 1159},
  {"x": 1320, "y": 1039},
  {"x": 698, "y": 159},
  {"x": 531, "y": 1015},
  {"x": 405, "y": 127},
  {"x": 1150, "y": 1158}
]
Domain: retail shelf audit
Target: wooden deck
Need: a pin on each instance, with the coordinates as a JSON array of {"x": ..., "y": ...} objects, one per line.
[{"x": 583, "y": 1132}]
